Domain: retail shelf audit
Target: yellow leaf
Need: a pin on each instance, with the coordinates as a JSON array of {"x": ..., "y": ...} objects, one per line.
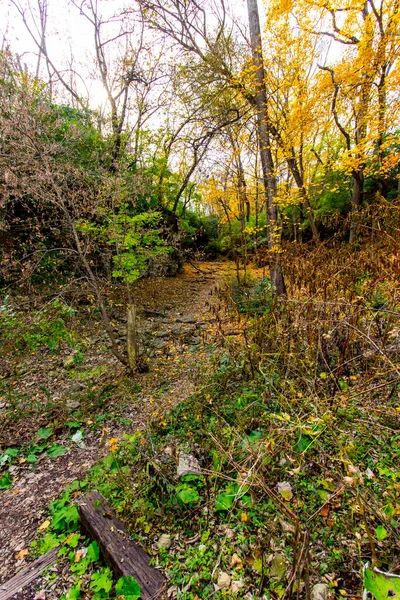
[
  {"x": 112, "y": 441},
  {"x": 244, "y": 517},
  {"x": 78, "y": 556},
  {"x": 44, "y": 525},
  {"x": 21, "y": 554},
  {"x": 69, "y": 538}
]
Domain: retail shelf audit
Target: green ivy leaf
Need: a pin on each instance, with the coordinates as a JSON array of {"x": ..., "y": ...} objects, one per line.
[
  {"x": 6, "y": 481},
  {"x": 44, "y": 433},
  {"x": 381, "y": 585},
  {"x": 128, "y": 587},
  {"x": 381, "y": 533},
  {"x": 55, "y": 451},
  {"x": 93, "y": 552},
  {"x": 188, "y": 495},
  {"x": 74, "y": 592},
  {"x": 224, "y": 501},
  {"x": 102, "y": 580}
]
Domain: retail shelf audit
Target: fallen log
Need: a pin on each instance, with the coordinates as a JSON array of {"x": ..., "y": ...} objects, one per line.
[
  {"x": 27, "y": 575},
  {"x": 121, "y": 553}
]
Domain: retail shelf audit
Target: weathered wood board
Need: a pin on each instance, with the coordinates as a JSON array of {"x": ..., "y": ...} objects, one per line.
[
  {"x": 27, "y": 575},
  {"x": 125, "y": 557}
]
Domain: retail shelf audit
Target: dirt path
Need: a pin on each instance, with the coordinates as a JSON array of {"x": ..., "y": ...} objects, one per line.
[{"x": 173, "y": 329}]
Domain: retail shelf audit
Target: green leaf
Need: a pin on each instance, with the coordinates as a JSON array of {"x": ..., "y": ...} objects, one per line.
[
  {"x": 66, "y": 518},
  {"x": 73, "y": 541},
  {"x": 49, "y": 542},
  {"x": 224, "y": 501},
  {"x": 93, "y": 552},
  {"x": 381, "y": 585},
  {"x": 128, "y": 587},
  {"x": 188, "y": 495},
  {"x": 74, "y": 592},
  {"x": 12, "y": 452},
  {"x": 4, "y": 458},
  {"x": 78, "y": 438},
  {"x": 31, "y": 458},
  {"x": 44, "y": 433},
  {"x": 55, "y": 451},
  {"x": 303, "y": 443},
  {"x": 381, "y": 533},
  {"x": 102, "y": 580},
  {"x": 6, "y": 481}
]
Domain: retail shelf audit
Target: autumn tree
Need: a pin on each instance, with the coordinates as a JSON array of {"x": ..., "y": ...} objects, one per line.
[{"x": 360, "y": 83}]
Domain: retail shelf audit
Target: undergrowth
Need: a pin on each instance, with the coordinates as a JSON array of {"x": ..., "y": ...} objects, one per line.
[{"x": 295, "y": 433}]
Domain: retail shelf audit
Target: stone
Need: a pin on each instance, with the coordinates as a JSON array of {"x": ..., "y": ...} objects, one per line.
[
  {"x": 278, "y": 567},
  {"x": 177, "y": 330},
  {"x": 162, "y": 334},
  {"x": 69, "y": 362},
  {"x": 285, "y": 490},
  {"x": 320, "y": 591},
  {"x": 165, "y": 541},
  {"x": 287, "y": 527},
  {"x": 188, "y": 465},
  {"x": 158, "y": 344},
  {"x": 188, "y": 320},
  {"x": 236, "y": 586},
  {"x": 224, "y": 581},
  {"x": 72, "y": 404},
  {"x": 236, "y": 561}
]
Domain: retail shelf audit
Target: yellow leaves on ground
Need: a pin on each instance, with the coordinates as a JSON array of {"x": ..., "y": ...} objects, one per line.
[
  {"x": 78, "y": 556},
  {"x": 44, "y": 525},
  {"x": 22, "y": 554},
  {"x": 113, "y": 443}
]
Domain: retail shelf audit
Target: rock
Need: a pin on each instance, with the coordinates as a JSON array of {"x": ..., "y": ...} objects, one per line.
[
  {"x": 162, "y": 334},
  {"x": 188, "y": 320},
  {"x": 227, "y": 531},
  {"x": 78, "y": 386},
  {"x": 285, "y": 490},
  {"x": 158, "y": 344},
  {"x": 69, "y": 362},
  {"x": 165, "y": 541},
  {"x": 320, "y": 591},
  {"x": 236, "y": 586},
  {"x": 278, "y": 567},
  {"x": 236, "y": 561},
  {"x": 177, "y": 330},
  {"x": 287, "y": 527},
  {"x": 188, "y": 465},
  {"x": 224, "y": 581},
  {"x": 72, "y": 404}
]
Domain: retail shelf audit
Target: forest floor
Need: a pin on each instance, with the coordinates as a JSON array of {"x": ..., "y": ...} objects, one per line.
[
  {"x": 289, "y": 405},
  {"x": 46, "y": 396}
]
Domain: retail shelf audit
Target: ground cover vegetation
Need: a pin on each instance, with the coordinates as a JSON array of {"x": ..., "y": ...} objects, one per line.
[{"x": 273, "y": 151}]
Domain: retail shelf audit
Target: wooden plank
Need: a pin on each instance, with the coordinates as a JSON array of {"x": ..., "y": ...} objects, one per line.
[
  {"x": 27, "y": 575},
  {"x": 122, "y": 554}
]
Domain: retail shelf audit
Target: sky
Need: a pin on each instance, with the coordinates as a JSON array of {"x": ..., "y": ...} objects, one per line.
[{"x": 69, "y": 34}]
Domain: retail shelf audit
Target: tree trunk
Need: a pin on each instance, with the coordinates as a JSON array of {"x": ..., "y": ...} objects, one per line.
[
  {"x": 267, "y": 162},
  {"x": 131, "y": 336},
  {"x": 298, "y": 177},
  {"x": 356, "y": 200}
]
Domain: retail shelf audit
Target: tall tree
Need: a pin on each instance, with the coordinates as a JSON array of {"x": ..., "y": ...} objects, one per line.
[{"x": 264, "y": 140}]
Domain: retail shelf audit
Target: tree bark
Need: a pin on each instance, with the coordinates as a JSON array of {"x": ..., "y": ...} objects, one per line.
[
  {"x": 267, "y": 161},
  {"x": 131, "y": 336},
  {"x": 356, "y": 201}
]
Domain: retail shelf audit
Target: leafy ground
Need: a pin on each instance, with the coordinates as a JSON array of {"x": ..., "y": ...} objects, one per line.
[
  {"x": 291, "y": 408},
  {"x": 64, "y": 396}
]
